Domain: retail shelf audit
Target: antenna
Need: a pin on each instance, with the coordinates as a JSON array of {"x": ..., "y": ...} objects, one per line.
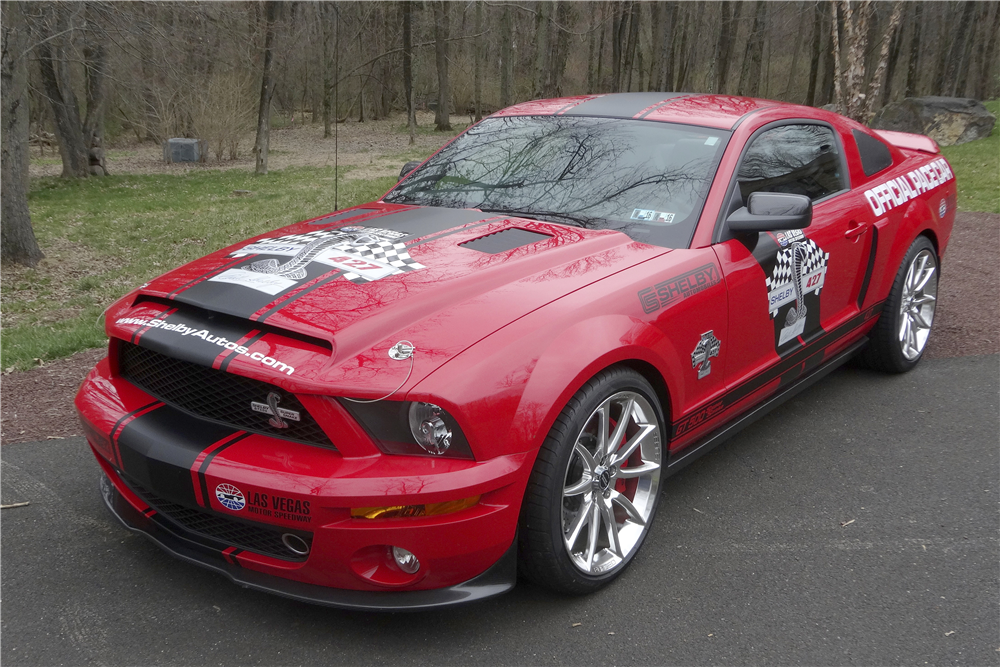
[{"x": 336, "y": 116}]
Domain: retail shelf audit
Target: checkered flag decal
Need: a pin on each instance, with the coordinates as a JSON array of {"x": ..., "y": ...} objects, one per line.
[
  {"x": 384, "y": 252},
  {"x": 783, "y": 274}
]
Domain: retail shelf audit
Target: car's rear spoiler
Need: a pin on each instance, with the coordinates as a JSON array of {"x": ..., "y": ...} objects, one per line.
[{"x": 913, "y": 142}]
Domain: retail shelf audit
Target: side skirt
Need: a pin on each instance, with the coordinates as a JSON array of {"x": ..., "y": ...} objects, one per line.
[{"x": 710, "y": 442}]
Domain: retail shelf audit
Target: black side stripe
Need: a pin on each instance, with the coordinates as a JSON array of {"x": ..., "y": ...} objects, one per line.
[
  {"x": 871, "y": 266},
  {"x": 786, "y": 370},
  {"x": 208, "y": 460}
]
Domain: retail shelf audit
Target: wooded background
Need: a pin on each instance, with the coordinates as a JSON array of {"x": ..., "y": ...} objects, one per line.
[{"x": 101, "y": 72}]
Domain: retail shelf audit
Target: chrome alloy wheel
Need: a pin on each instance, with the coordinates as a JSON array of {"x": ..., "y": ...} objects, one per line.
[
  {"x": 611, "y": 482},
  {"x": 916, "y": 308}
]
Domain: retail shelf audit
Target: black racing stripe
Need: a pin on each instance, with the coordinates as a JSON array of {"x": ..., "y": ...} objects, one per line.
[
  {"x": 159, "y": 448},
  {"x": 144, "y": 330},
  {"x": 201, "y": 341},
  {"x": 661, "y": 105},
  {"x": 233, "y": 556},
  {"x": 450, "y": 232},
  {"x": 218, "y": 269},
  {"x": 337, "y": 217},
  {"x": 319, "y": 283},
  {"x": 225, "y": 362},
  {"x": 114, "y": 429},
  {"x": 429, "y": 220},
  {"x": 244, "y": 301},
  {"x": 208, "y": 459},
  {"x": 620, "y": 105}
]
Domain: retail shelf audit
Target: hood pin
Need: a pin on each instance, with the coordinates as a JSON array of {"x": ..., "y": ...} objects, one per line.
[{"x": 402, "y": 350}]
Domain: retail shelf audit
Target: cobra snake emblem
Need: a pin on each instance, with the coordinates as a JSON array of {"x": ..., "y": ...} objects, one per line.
[
  {"x": 798, "y": 311},
  {"x": 272, "y": 402},
  {"x": 295, "y": 268}
]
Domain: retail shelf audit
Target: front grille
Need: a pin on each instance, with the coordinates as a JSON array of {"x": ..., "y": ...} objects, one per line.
[
  {"x": 213, "y": 394},
  {"x": 201, "y": 524}
]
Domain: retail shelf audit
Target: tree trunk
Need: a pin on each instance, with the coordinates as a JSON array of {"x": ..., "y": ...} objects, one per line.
[
  {"x": 838, "y": 91},
  {"x": 723, "y": 45},
  {"x": 987, "y": 77},
  {"x": 49, "y": 33},
  {"x": 95, "y": 65},
  {"x": 442, "y": 117},
  {"x": 411, "y": 113},
  {"x": 752, "y": 58},
  {"x": 874, "y": 92},
  {"x": 912, "y": 71},
  {"x": 326, "y": 18},
  {"x": 17, "y": 238},
  {"x": 506, "y": 58},
  {"x": 814, "y": 56},
  {"x": 955, "y": 60},
  {"x": 541, "y": 48},
  {"x": 617, "y": 41},
  {"x": 262, "y": 142},
  {"x": 965, "y": 64},
  {"x": 856, "y": 17},
  {"x": 560, "y": 49},
  {"x": 631, "y": 44},
  {"x": 478, "y": 45},
  {"x": 591, "y": 42},
  {"x": 890, "y": 68},
  {"x": 667, "y": 31}
]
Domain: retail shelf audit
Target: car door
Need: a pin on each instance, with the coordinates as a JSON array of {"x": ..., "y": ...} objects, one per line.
[{"x": 789, "y": 289}]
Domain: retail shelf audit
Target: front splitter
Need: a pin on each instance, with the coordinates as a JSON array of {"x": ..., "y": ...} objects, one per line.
[{"x": 498, "y": 579}]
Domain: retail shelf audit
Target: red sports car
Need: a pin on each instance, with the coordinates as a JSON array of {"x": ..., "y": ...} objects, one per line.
[{"x": 494, "y": 368}]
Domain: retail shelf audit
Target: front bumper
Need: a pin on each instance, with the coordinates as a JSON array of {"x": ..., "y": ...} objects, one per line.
[
  {"x": 498, "y": 579},
  {"x": 165, "y": 472}
]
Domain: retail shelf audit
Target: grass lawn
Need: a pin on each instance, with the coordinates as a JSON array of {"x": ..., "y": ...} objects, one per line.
[
  {"x": 103, "y": 237},
  {"x": 977, "y": 169}
]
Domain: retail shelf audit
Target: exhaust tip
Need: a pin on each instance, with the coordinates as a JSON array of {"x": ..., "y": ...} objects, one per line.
[{"x": 295, "y": 544}]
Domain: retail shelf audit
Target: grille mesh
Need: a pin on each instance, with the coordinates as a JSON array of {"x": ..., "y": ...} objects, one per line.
[
  {"x": 201, "y": 524},
  {"x": 213, "y": 394}
]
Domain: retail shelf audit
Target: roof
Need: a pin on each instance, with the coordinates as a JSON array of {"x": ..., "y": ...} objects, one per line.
[{"x": 719, "y": 111}]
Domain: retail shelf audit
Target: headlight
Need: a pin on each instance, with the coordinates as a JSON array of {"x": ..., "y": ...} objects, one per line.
[
  {"x": 428, "y": 428},
  {"x": 411, "y": 428}
]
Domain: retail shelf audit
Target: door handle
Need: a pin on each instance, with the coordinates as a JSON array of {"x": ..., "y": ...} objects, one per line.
[{"x": 855, "y": 229}]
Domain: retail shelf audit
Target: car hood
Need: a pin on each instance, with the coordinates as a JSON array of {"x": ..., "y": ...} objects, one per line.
[{"x": 328, "y": 298}]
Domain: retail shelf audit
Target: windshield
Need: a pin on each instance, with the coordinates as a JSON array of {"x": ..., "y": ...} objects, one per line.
[{"x": 644, "y": 178}]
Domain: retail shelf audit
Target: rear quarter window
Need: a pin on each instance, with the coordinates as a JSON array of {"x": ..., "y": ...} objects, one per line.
[{"x": 875, "y": 155}]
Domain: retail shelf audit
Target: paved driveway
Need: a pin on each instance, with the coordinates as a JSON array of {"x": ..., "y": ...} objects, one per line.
[{"x": 857, "y": 524}]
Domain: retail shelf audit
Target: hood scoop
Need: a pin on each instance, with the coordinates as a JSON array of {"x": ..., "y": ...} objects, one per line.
[{"x": 504, "y": 240}]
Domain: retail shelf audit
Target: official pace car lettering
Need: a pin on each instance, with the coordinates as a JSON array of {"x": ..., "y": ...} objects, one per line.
[
  {"x": 799, "y": 269},
  {"x": 670, "y": 291},
  {"x": 279, "y": 507},
  {"x": 897, "y": 191},
  {"x": 206, "y": 335},
  {"x": 364, "y": 254}
]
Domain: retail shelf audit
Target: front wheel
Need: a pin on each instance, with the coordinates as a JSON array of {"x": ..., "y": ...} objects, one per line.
[
  {"x": 900, "y": 337},
  {"x": 595, "y": 485}
]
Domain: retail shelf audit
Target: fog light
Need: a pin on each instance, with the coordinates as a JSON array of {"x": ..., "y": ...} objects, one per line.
[
  {"x": 428, "y": 428},
  {"x": 406, "y": 561}
]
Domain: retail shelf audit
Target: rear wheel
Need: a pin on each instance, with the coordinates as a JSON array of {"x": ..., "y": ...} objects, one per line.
[
  {"x": 595, "y": 485},
  {"x": 900, "y": 337}
]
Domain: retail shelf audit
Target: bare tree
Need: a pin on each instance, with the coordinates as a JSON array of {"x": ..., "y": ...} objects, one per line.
[
  {"x": 723, "y": 45},
  {"x": 912, "y": 71},
  {"x": 477, "y": 86},
  {"x": 874, "y": 87},
  {"x": 442, "y": 116},
  {"x": 262, "y": 143},
  {"x": 754, "y": 53},
  {"x": 506, "y": 58},
  {"x": 329, "y": 57},
  {"x": 411, "y": 113},
  {"x": 17, "y": 238}
]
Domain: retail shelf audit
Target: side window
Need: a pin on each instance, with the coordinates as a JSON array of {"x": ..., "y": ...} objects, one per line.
[
  {"x": 875, "y": 155},
  {"x": 797, "y": 159}
]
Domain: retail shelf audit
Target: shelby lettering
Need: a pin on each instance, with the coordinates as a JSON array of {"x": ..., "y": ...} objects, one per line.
[
  {"x": 206, "y": 335},
  {"x": 897, "y": 191},
  {"x": 665, "y": 293}
]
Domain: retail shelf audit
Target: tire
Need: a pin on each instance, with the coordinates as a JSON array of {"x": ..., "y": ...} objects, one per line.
[
  {"x": 899, "y": 339},
  {"x": 578, "y": 484}
]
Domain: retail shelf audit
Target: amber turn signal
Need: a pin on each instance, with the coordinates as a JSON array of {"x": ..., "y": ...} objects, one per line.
[{"x": 401, "y": 511}]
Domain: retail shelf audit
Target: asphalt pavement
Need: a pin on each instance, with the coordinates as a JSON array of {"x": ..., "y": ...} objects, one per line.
[{"x": 855, "y": 525}]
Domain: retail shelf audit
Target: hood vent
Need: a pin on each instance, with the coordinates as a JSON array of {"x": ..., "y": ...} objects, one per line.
[{"x": 505, "y": 240}]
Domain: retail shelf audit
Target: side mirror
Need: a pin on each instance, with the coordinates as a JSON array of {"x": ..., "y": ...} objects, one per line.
[
  {"x": 408, "y": 167},
  {"x": 772, "y": 211}
]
